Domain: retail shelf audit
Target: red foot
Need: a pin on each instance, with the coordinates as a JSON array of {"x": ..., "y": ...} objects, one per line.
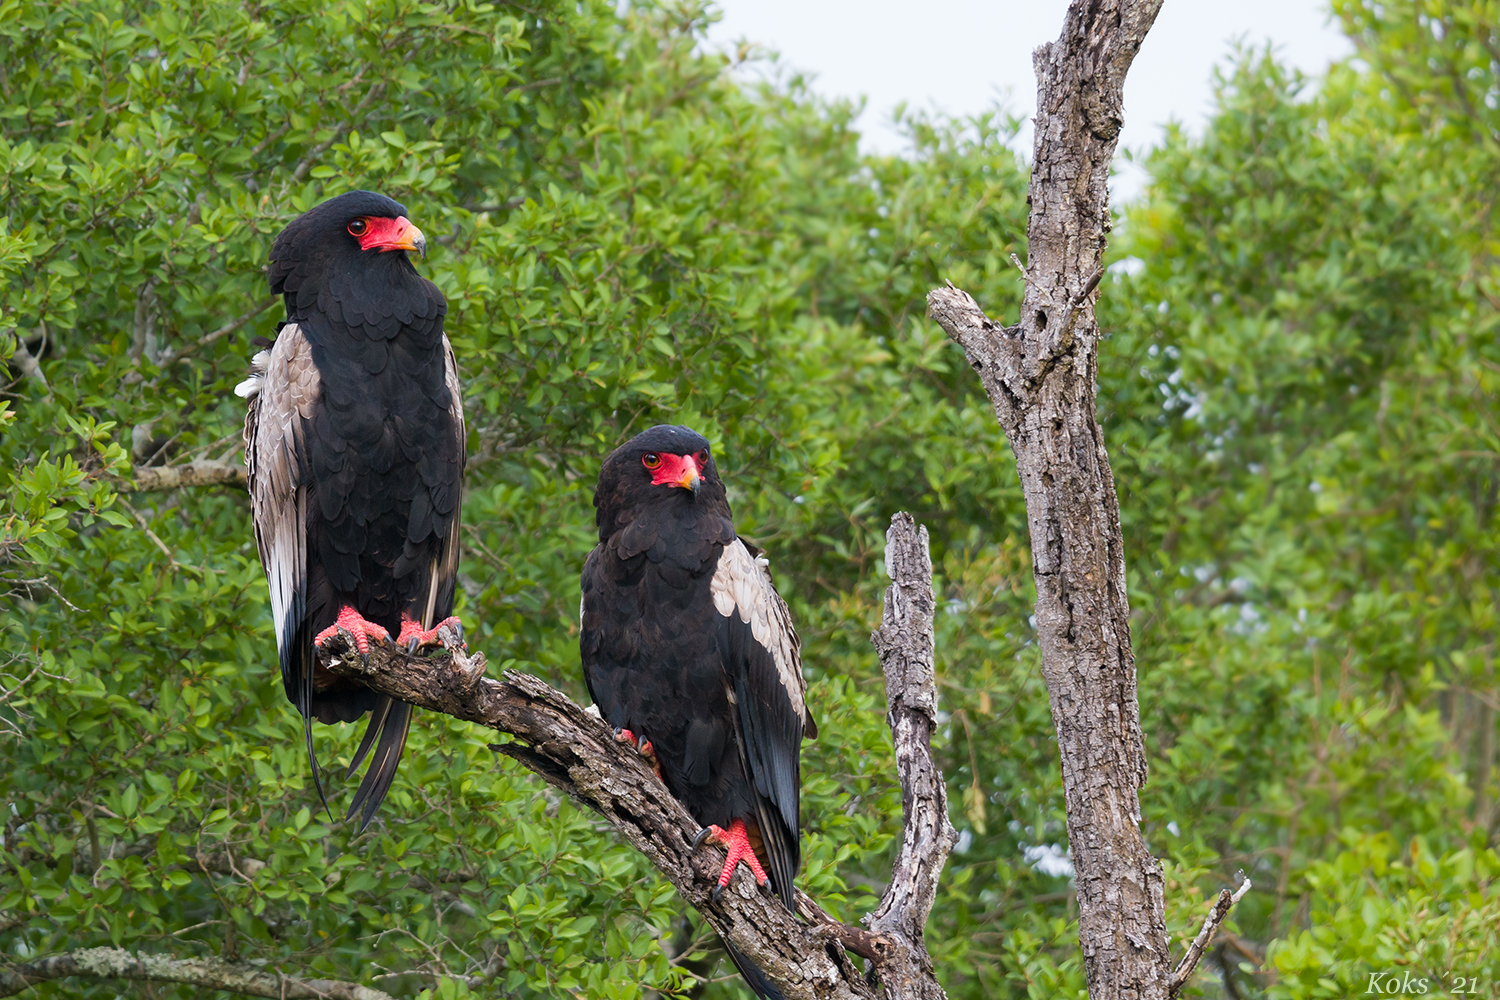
[
  {"x": 350, "y": 621},
  {"x": 643, "y": 745},
  {"x": 412, "y": 631},
  {"x": 737, "y": 840}
]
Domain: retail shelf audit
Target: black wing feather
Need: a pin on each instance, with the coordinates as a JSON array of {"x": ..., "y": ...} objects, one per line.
[
  {"x": 759, "y": 649},
  {"x": 770, "y": 734}
]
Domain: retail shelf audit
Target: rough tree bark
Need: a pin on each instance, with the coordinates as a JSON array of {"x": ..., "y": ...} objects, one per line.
[
  {"x": 1040, "y": 375},
  {"x": 575, "y": 751},
  {"x": 203, "y": 472},
  {"x": 207, "y": 973}
]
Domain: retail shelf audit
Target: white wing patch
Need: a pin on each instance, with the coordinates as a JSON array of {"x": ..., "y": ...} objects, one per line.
[
  {"x": 742, "y": 584},
  {"x": 258, "y": 365},
  {"x": 282, "y": 389}
]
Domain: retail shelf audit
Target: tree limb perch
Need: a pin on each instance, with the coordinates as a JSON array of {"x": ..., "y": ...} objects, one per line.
[{"x": 575, "y": 751}]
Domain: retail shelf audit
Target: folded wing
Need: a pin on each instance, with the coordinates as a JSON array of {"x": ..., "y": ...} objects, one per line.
[{"x": 761, "y": 654}]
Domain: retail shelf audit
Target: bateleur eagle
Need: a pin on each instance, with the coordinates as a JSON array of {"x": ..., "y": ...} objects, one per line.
[
  {"x": 689, "y": 651},
  {"x": 355, "y": 447}
]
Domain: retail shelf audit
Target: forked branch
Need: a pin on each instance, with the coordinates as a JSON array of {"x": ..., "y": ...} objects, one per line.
[{"x": 1040, "y": 378}]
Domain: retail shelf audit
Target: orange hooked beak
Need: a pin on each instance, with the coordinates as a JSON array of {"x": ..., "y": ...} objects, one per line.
[
  {"x": 406, "y": 237},
  {"x": 689, "y": 480}
]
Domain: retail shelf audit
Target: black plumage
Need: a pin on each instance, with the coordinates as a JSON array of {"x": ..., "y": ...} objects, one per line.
[
  {"x": 355, "y": 446},
  {"x": 687, "y": 646}
]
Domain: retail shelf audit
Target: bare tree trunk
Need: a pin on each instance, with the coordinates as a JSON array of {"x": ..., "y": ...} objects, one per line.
[{"x": 1040, "y": 375}]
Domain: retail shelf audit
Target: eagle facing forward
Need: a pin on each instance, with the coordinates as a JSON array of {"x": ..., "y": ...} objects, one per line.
[
  {"x": 355, "y": 447},
  {"x": 689, "y": 651}
]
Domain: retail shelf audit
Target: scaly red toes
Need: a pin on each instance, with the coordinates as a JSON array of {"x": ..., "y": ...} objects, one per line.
[
  {"x": 412, "y": 631},
  {"x": 354, "y": 623},
  {"x": 644, "y": 746},
  {"x": 737, "y": 840}
]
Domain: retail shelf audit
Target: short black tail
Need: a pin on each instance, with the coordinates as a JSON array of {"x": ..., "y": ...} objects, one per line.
[
  {"x": 754, "y": 978},
  {"x": 391, "y": 720}
]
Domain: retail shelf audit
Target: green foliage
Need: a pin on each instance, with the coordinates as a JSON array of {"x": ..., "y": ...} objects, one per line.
[
  {"x": 1382, "y": 911},
  {"x": 1297, "y": 389}
]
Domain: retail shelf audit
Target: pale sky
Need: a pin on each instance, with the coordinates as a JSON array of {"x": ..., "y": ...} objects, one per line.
[{"x": 963, "y": 56}]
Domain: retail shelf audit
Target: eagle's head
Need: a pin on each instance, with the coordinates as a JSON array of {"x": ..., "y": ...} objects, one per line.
[
  {"x": 346, "y": 239},
  {"x": 665, "y": 466}
]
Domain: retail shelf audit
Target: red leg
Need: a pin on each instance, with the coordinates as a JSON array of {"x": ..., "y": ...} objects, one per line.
[
  {"x": 352, "y": 622},
  {"x": 412, "y": 631},
  {"x": 737, "y": 840}
]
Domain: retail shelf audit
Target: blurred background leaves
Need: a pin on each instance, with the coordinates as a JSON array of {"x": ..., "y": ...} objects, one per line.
[{"x": 1297, "y": 387}]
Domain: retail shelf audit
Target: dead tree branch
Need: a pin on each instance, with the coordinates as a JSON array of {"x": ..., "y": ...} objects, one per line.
[
  {"x": 1211, "y": 923},
  {"x": 199, "y": 473},
  {"x": 207, "y": 973},
  {"x": 1040, "y": 376},
  {"x": 576, "y": 752},
  {"x": 905, "y": 643}
]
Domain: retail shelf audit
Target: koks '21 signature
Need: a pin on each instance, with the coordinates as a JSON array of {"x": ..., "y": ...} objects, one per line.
[{"x": 1394, "y": 984}]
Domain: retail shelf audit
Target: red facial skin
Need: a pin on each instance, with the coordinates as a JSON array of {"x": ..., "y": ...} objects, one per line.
[
  {"x": 676, "y": 470},
  {"x": 390, "y": 234}
]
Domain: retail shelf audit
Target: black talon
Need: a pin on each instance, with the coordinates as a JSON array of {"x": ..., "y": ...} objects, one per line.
[
  {"x": 718, "y": 891},
  {"x": 703, "y": 835},
  {"x": 411, "y": 647}
]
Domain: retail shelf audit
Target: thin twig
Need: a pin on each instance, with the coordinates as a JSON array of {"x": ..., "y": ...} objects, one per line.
[
  {"x": 1205, "y": 937},
  {"x": 235, "y": 323},
  {"x": 25, "y": 361},
  {"x": 156, "y": 540},
  {"x": 307, "y": 162},
  {"x": 219, "y": 334}
]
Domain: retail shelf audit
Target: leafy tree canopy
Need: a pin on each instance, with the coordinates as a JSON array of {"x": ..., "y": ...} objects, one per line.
[{"x": 1297, "y": 395}]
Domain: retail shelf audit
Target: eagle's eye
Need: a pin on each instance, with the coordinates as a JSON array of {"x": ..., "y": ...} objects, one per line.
[
  {"x": 651, "y": 460},
  {"x": 358, "y": 227},
  {"x": 702, "y": 458}
]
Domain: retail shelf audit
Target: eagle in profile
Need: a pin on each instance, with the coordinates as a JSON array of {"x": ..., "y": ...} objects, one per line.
[
  {"x": 689, "y": 652},
  {"x": 355, "y": 447}
]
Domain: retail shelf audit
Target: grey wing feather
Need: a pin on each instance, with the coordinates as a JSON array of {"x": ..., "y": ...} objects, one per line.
[
  {"x": 762, "y": 656},
  {"x": 445, "y": 568},
  {"x": 282, "y": 389}
]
